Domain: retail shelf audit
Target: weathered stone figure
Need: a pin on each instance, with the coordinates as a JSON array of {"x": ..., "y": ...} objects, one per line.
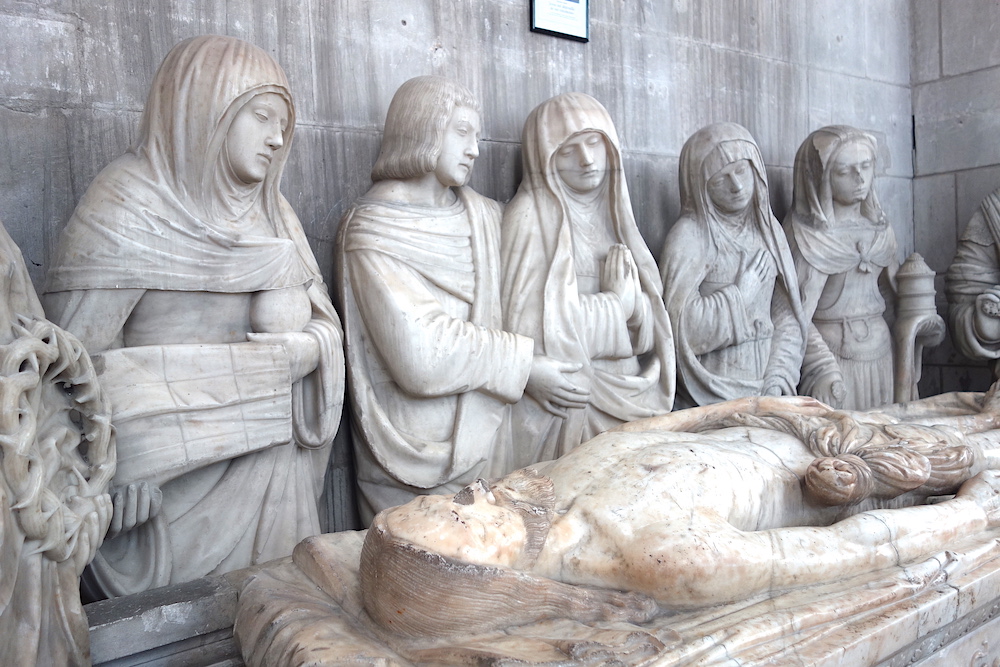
[
  {"x": 579, "y": 280},
  {"x": 973, "y": 286},
  {"x": 57, "y": 458},
  {"x": 187, "y": 273},
  {"x": 845, "y": 258},
  {"x": 728, "y": 276},
  {"x": 432, "y": 371},
  {"x": 680, "y": 511}
]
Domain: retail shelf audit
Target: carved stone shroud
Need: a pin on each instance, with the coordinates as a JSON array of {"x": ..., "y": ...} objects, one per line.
[
  {"x": 315, "y": 607},
  {"x": 898, "y": 616}
]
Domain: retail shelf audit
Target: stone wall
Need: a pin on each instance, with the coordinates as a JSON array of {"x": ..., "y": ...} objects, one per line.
[
  {"x": 955, "y": 73},
  {"x": 74, "y": 75}
]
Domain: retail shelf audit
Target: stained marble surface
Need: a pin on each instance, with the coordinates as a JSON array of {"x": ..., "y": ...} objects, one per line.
[
  {"x": 830, "y": 590},
  {"x": 311, "y": 611}
]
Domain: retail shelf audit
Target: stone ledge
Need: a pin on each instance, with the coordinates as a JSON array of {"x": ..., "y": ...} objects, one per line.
[{"x": 187, "y": 624}]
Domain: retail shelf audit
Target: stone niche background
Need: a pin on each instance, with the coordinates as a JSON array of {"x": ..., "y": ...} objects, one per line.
[{"x": 921, "y": 74}]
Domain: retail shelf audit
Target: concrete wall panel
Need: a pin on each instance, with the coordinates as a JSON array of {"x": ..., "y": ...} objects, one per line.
[
  {"x": 934, "y": 223},
  {"x": 956, "y": 76},
  {"x": 969, "y": 35},
  {"x": 925, "y": 44},
  {"x": 881, "y": 109},
  {"x": 896, "y": 196},
  {"x": 955, "y": 119}
]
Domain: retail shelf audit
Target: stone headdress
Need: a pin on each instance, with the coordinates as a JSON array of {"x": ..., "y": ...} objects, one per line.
[
  {"x": 811, "y": 221},
  {"x": 419, "y": 593},
  {"x": 166, "y": 214},
  {"x": 704, "y": 153},
  {"x": 539, "y": 290}
]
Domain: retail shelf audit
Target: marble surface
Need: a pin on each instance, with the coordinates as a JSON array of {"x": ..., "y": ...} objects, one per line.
[
  {"x": 57, "y": 458},
  {"x": 311, "y": 612},
  {"x": 579, "y": 280},
  {"x": 729, "y": 277},
  {"x": 187, "y": 274},
  {"x": 917, "y": 327},
  {"x": 701, "y": 521}
]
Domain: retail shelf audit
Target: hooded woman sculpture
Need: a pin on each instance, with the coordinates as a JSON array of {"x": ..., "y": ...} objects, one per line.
[
  {"x": 579, "y": 280},
  {"x": 729, "y": 279},
  {"x": 844, "y": 252},
  {"x": 181, "y": 251}
]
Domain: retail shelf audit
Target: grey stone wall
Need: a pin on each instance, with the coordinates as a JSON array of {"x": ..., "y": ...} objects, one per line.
[
  {"x": 955, "y": 74},
  {"x": 74, "y": 75}
]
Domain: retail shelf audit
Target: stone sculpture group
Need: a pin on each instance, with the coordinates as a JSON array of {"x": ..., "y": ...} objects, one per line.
[{"x": 479, "y": 339}]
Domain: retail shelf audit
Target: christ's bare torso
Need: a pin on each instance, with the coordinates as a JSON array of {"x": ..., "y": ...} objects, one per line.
[
  {"x": 672, "y": 483},
  {"x": 694, "y": 519}
]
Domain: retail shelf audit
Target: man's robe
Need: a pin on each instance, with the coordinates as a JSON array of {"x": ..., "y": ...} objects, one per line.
[{"x": 431, "y": 372}]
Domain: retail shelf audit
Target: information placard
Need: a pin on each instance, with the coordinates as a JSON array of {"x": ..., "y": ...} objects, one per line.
[{"x": 562, "y": 18}]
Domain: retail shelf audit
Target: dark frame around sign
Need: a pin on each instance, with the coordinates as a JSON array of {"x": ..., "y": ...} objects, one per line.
[{"x": 562, "y": 18}]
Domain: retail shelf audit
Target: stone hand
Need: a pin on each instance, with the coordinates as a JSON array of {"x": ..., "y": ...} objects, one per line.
[
  {"x": 91, "y": 531},
  {"x": 302, "y": 349},
  {"x": 134, "y": 505},
  {"x": 984, "y": 489},
  {"x": 831, "y": 390},
  {"x": 552, "y": 383},
  {"x": 987, "y": 315},
  {"x": 752, "y": 273},
  {"x": 620, "y": 277}
]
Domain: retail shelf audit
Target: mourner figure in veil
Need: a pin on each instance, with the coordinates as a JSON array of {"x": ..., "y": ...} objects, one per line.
[
  {"x": 728, "y": 276},
  {"x": 845, "y": 259},
  {"x": 432, "y": 372},
  {"x": 580, "y": 281},
  {"x": 188, "y": 274}
]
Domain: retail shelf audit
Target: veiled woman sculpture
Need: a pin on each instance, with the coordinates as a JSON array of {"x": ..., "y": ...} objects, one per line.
[
  {"x": 181, "y": 251},
  {"x": 729, "y": 277},
  {"x": 432, "y": 370},
  {"x": 845, "y": 259},
  {"x": 579, "y": 280}
]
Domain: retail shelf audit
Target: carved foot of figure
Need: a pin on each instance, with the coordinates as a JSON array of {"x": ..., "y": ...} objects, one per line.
[{"x": 984, "y": 488}]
